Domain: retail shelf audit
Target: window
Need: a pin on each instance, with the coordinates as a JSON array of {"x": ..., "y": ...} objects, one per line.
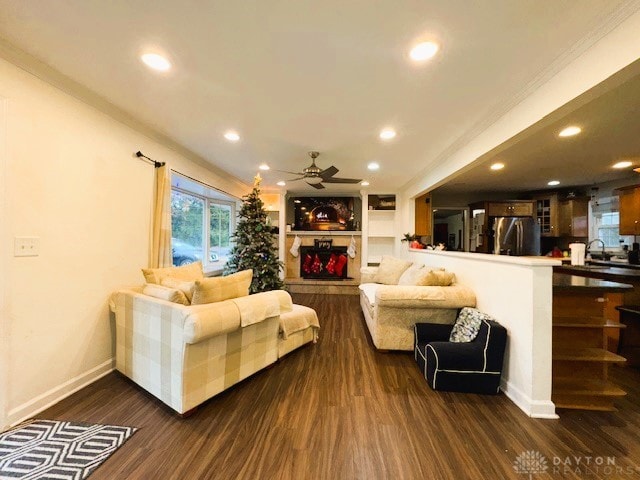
[
  {"x": 200, "y": 224},
  {"x": 606, "y": 225}
]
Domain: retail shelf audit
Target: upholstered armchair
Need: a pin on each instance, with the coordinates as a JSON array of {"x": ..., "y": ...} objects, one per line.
[{"x": 473, "y": 366}]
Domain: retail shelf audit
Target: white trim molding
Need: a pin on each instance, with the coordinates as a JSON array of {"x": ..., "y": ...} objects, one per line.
[{"x": 58, "y": 393}]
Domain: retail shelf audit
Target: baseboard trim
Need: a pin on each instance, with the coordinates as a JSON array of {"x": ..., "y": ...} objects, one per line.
[
  {"x": 56, "y": 394},
  {"x": 533, "y": 408}
]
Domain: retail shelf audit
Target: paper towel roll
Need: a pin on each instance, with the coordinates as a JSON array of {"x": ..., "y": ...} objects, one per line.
[{"x": 577, "y": 253}]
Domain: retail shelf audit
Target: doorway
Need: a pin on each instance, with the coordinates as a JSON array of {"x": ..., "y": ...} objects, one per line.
[{"x": 449, "y": 228}]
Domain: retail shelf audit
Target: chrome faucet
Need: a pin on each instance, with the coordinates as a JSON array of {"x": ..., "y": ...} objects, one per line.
[{"x": 604, "y": 255}]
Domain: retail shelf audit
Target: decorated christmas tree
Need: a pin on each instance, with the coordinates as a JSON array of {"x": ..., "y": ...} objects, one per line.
[{"x": 255, "y": 247}]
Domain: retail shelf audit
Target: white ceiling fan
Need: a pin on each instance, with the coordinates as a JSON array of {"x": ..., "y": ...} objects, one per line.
[{"x": 315, "y": 176}]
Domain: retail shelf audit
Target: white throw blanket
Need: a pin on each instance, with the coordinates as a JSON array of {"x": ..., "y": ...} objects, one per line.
[
  {"x": 299, "y": 319},
  {"x": 255, "y": 308}
]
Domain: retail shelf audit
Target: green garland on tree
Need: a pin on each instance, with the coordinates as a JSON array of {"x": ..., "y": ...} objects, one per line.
[{"x": 255, "y": 247}]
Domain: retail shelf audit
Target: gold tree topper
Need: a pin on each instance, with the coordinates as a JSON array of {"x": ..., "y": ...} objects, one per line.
[{"x": 256, "y": 180}]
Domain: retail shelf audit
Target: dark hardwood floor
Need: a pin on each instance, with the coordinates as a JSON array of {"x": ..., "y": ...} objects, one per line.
[{"x": 341, "y": 410}]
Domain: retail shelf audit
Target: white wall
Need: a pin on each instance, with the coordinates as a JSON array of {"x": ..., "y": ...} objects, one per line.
[
  {"x": 517, "y": 292},
  {"x": 73, "y": 182},
  {"x": 4, "y": 280}
]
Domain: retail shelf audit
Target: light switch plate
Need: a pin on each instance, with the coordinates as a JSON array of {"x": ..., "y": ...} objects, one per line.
[{"x": 26, "y": 247}]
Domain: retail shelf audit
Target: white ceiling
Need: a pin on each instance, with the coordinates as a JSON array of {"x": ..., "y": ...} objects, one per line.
[
  {"x": 293, "y": 76},
  {"x": 608, "y": 116}
]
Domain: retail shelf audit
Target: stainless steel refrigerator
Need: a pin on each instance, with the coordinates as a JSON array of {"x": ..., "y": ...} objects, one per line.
[{"x": 516, "y": 236}]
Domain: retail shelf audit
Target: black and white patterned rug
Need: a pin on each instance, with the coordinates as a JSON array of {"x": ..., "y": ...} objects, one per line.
[{"x": 49, "y": 449}]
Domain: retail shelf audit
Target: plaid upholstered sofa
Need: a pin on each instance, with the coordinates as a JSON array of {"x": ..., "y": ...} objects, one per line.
[
  {"x": 391, "y": 310},
  {"x": 186, "y": 354}
]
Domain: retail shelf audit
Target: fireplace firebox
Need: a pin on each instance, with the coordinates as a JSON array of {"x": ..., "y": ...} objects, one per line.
[{"x": 323, "y": 263}]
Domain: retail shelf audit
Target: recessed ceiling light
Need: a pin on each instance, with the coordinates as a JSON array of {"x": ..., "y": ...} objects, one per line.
[
  {"x": 155, "y": 61},
  {"x": 623, "y": 164},
  {"x": 264, "y": 166},
  {"x": 497, "y": 166},
  {"x": 424, "y": 51},
  {"x": 281, "y": 183},
  {"x": 232, "y": 136},
  {"x": 296, "y": 201},
  {"x": 553, "y": 183},
  {"x": 364, "y": 183},
  {"x": 387, "y": 134},
  {"x": 373, "y": 166},
  {"x": 570, "y": 131}
]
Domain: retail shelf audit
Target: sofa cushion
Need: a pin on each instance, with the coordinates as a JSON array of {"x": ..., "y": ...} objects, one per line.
[
  {"x": 165, "y": 293},
  {"x": 190, "y": 272},
  {"x": 217, "y": 289},
  {"x": 184, "y": 286},
  {"x": 390, "y": 270},
  {"x": 439, "y": 278},
  {"x": 369, "y": 290},
  {"x": 467, "y": 325}
]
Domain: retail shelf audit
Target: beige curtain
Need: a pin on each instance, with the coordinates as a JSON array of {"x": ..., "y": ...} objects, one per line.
[{"x": 161, "y": 239}]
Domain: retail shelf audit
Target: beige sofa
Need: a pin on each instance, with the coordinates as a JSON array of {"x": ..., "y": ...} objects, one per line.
[
  {"x": 391, "y": 311},
  {"x": 186, "y": 354}
]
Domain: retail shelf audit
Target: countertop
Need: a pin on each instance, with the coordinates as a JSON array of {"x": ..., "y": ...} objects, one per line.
[
  {"x": 564, "y": 282},
  {"x": 605, "y": 272},
  {"x": 610, "y": 263}
]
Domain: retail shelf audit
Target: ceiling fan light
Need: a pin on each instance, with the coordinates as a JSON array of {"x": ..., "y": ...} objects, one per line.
[{"x": 313, "y": 180}]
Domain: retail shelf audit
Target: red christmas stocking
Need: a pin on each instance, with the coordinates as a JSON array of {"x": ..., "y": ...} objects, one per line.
[
  {"x": 342, "y": 261},
  {"x": 306, "y": 267},
  {"x": 316, "y": 266},
  {"x": 331, "y": 264}
]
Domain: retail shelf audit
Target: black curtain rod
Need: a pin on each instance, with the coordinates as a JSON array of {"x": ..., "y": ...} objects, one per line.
[{"x": 156, "y": 164}]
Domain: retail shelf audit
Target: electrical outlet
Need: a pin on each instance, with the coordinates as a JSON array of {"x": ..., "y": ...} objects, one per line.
[{"x": 26, "y": 247}]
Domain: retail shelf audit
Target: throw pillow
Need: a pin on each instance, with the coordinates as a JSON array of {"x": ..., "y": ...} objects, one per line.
[
  {"x": 439, "y": 278},
  {"x": 413, "y": 275},
  {"x": 217, "y": 289},
  {"x": 165, "y": 293},
  {"x": 190, "y": 272},
  {"x": 467, "y": 325},
  {"x": 390, "y": 270},
  {"x": 182, "y": 285}
]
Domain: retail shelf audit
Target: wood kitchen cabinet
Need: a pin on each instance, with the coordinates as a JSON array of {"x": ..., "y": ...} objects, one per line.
[
  {"x": 510, "y": 209},
  {"x": 547, "y": 214},
  {"x": 629, "y": 210},
  {"x": 423, "y": 215},
  {"x": 573, "y": 217}
]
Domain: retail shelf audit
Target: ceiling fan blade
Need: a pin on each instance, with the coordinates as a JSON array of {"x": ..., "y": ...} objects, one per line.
[
  {"x": 294, "y": 179},
  {"x": 319, "y": 186},
  {"x": 286, "y": 171},
  {"x": 329, "y": 172},
  {"x": 341, "y": 180}
]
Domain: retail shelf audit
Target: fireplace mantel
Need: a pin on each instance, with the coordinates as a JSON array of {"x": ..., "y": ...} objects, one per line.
[{"x": 324, "y": 233}]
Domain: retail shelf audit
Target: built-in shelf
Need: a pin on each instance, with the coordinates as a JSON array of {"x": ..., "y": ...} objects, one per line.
[
  {"x": 583, "y": 328},
  {"x": 581, "y": 387},
  {"x": 382, "y": 230},
  {"x": 586, "y": 354}
]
